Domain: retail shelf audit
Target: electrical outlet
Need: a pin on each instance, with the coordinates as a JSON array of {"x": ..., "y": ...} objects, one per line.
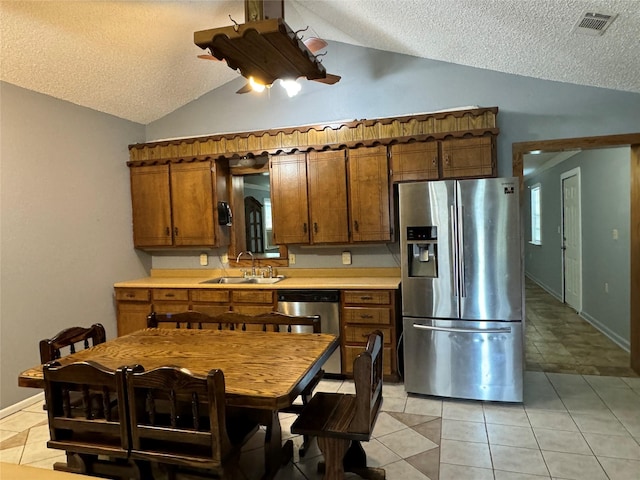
[
  {"x": 204, "y": 259},
  {"x": 292, "y": 258},
  {"x": 346, "y": 258},
  {"x": 614, "y": 234},
  {"x": 224, "y": 258}
]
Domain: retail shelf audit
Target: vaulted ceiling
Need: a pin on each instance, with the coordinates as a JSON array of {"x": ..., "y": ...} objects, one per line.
[{"x": 137, "y": 59}]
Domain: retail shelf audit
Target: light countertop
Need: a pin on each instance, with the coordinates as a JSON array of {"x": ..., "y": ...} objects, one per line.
[{"x": 365, "y": 278}]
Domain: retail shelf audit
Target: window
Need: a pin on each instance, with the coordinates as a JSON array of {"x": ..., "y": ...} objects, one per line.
[{"x": 536, "y": 233}]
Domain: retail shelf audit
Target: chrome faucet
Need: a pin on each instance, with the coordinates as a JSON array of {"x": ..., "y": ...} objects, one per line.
[{"x": 253, "y": 261}]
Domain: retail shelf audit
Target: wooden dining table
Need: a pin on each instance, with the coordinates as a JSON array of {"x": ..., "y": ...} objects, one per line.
[{"x": 264, "y": 371}]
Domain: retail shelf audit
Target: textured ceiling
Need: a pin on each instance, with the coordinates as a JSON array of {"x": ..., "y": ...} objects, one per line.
[{"x": 137, "y": 59}]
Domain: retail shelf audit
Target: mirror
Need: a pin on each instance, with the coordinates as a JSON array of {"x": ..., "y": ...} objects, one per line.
[{"x": 251, "y": 205}]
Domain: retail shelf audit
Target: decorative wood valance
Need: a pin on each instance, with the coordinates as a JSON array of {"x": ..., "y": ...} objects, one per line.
[{"x": 380, "y": 131}]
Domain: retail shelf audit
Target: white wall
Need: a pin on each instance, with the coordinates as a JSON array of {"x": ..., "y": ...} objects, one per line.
[{"x": 66, "y": 233}]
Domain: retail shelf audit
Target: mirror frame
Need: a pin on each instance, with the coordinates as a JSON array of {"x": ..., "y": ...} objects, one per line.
[{"x": 236, "y": 201}]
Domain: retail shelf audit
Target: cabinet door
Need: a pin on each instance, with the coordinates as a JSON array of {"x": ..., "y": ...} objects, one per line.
[
  {"x": 369, "y": 194},
  {"x": 150, "y": 200},
  {"x": 192, "y": 204},
  {"x": 414, "y": 161},
  {"x": 468, "y": 157},
  {"x": 328, "y": 197},
  {"x": 132, "y": 316},
  {"x": 289, "y": 204}
]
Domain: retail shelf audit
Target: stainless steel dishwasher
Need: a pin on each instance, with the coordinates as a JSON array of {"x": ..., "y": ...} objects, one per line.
[{"x": 325, "y": 303}]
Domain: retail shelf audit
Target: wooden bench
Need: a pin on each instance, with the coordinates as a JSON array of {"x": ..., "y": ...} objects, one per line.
[{"x": 342, "y": 421}]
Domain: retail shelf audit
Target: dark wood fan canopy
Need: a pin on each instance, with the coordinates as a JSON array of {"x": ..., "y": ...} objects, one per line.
[{"x": 264, "y": 47}]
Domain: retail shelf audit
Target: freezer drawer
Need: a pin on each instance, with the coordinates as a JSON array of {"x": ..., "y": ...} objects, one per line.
[{"x": 463, "y": 359}]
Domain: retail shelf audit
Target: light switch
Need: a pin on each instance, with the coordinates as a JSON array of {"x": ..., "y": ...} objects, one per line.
[
  {"x": 346, "y": 258},
  {"x": 614, "y": 234},
  {"x": 224, "y": 258},
  {"x": 292, "y": 258},
  {"x": 204, "y": 259}
]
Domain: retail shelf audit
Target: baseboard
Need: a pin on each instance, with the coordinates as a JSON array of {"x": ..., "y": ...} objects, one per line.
[
  {"x": 614, "y": 337},
  {"x": 16, "y": 407},
  {"x": 545, "y": 287}
]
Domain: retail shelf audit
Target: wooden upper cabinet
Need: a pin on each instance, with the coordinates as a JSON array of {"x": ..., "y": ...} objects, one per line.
[
  {"x": 327, "y": 182},
  {"x": 174, "y": 205},
  {"x": 369, "y": 194},
  {"x": 192, "y": 204},
  {"x": 468, "y": 157},
  {"x": 151, "y": 204},
  {"x": 414, "y": 161},
  {"x": 289, "y": 201}
]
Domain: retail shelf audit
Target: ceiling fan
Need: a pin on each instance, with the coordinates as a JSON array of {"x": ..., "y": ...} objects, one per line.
[{"x": 265, "y": 49}]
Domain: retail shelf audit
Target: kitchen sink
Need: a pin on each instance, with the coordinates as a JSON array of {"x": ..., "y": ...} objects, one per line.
[
  {"x": 264, "y": 280},
  {"x": 232, "y": 280}
]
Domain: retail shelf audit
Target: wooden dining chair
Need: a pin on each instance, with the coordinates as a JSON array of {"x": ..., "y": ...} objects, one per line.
[
  {"x": 179, "y": 420},
  {"x": 54, "y": 347},
  {"x": 189, "y": 319},
  {"x": 342, "y": 421},
  {"x": 96, "y": 436}
]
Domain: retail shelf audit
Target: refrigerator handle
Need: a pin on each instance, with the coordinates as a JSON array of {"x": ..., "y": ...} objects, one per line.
[
  {"x": 460, "y": 253},
  {"x": 454, "y": 248},
  {"x": 462, "y": 330}
]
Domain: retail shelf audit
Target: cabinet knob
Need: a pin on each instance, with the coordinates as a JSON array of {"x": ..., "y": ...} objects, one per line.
[
  {"x": 304, "y": 227},
  {"x": 435, "y": 161},
  {"x": 366, "y": 297},
  {"x": 175, "y": 231},
  {"x": 168, "y": 232},
  {"x": 366, "y": 316},
  {"x": 447, "y": 160},
  {"x": 315, "y": 227},
  {"x": 356, "y": 226}
]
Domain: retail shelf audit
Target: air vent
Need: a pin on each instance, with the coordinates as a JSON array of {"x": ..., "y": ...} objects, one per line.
[{"x": 593, "y": 23}]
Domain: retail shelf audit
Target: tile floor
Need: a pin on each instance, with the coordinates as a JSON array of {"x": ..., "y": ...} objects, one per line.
[
  {"x": 558, "y": 340},
  {"x": 580, "y": 419},
  {"x": 569, "y": 426}
]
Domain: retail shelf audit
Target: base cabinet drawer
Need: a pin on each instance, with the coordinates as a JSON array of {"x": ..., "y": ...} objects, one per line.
[
  {"x": 351, "y": 352},
  {"x": 367, "y": 315},
  {"x": 353, "y": 334}
]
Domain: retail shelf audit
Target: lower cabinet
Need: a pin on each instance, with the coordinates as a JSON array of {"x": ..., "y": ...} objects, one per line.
[
  {"x": 132, "y": 307},
  {"x": 364, "y": 311},
  {"x": 134, "y": 304}
]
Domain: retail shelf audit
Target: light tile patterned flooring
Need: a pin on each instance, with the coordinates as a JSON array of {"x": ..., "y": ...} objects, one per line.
[{"x": 570, "y": 426}]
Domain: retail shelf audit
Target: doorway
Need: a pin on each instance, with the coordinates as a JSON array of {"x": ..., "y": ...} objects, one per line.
[
  {"x": 632, "y": 140},
  {"x": 571, "y": 237}
]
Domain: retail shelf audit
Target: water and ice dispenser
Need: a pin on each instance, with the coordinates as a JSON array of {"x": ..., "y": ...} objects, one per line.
[{"x": 422, "y": 243}]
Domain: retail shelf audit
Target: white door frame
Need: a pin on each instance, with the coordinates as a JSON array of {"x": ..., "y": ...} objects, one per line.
[{"x": 570, "y": 173}]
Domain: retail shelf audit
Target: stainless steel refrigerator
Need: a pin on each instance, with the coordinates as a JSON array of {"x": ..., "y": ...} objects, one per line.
[{"x": 462, "y": 288}]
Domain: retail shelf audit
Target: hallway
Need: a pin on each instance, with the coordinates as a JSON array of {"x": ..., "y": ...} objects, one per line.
[{"x": 557, "y": 340}]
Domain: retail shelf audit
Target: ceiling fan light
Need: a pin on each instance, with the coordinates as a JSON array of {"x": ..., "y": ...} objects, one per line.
[
  {"x": 256, "y": 86},
  {"x": 291, "y": 86}
]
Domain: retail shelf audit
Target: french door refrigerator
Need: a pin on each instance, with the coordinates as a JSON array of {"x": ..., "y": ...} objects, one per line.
[{"x": 462, "y": 288}]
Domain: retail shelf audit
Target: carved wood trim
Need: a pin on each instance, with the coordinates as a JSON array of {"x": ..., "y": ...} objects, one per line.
[{"x": 330, "y": 136}]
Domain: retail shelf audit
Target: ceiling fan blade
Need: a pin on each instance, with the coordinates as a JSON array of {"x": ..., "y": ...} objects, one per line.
[
  {"x": 314, "y": 44},
  {"x": 329, "y": 79},
  {"x": 205, "y": 56},
  {"x": 246, "y": 89}
]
